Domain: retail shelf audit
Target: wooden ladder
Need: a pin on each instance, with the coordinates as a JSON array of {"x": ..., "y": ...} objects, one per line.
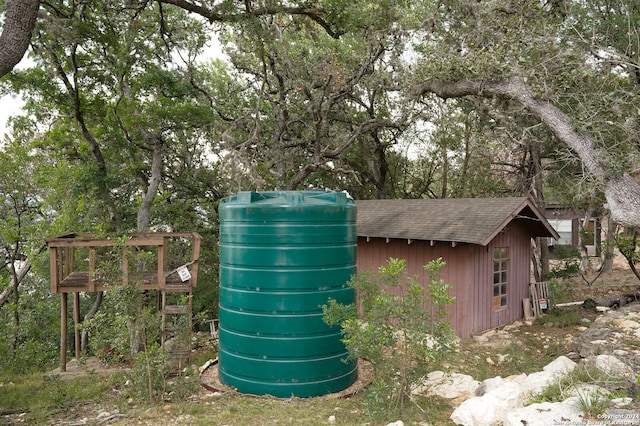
[{"x": 177, "y": 323}]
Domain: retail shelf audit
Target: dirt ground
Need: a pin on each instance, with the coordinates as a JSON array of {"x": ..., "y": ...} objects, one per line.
[{"x": 90, "y": 366}]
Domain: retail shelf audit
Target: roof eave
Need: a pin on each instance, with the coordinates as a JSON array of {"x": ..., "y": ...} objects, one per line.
[{"x": 538, "y": 216}]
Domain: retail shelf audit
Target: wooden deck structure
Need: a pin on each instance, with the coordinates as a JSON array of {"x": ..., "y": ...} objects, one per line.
[{"x": 163, "y": 261}]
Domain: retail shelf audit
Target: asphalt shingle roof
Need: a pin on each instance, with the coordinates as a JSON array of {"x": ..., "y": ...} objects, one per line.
[{"x": 469, "y": 220}]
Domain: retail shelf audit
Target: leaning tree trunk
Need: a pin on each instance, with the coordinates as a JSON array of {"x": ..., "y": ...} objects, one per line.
[
  {"x": 17, "y": 278},
  {"x": 622, "y": 192},
  {"x": 84, "y": 337}
]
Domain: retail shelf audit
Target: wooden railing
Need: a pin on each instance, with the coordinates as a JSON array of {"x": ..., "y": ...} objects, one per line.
[
  {"x": 83, "y": 262},
  {"x": 76, "y": 260}
]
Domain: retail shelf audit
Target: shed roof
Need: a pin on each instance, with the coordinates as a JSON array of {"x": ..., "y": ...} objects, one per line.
[{"x": 468, "y": 220}]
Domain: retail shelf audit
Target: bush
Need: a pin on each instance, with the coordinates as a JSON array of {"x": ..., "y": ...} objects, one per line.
[
  {"x": 557, "y": 317},
  {"x": 559, "y": 291},
  {"x": 400, "y": 329}
]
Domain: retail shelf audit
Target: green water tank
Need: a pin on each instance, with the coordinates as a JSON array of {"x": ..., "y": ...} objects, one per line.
[{"x": 282, "y": 256}]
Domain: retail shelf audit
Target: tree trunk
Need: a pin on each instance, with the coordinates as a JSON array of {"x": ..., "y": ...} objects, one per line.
[
  {"x": 20, "y": 20},
  {"x": 585, "y": 261},
  {"x": 541, "y": 248},
  {"x": 378, "y": 165},
  {"x": 621, "y": 190},
  {"x": 18, "y": 277},
  {"x": 144, "y": 212},
  {"x": 84, "y": 337},
  {"x": 16, "y": 310},
  {"x": 607, "y": 262}
]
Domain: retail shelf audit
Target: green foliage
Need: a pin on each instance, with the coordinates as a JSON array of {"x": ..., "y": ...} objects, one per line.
[
  {"x": 627, "y": 243},
  {"x": 591, "y": 403},
  {"x": 559, "y": 291},
  {"x": 126, "y": 313},
  {"x": 401, "y": 329},
  {"x": 561, "y": 317},
  {"x": 569, "y": 266},
  {"x": 33, "y": 346}
]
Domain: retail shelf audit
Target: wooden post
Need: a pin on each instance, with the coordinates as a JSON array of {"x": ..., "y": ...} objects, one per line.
[
  {"x": 76, "y": 322},
  {"x": 528, "y": 312},
  {"x": 53, "y": 267},
  {"x": 92, "y": 270},
  {"x": 195, "y": 255},
  {"x": 162, "y": 262},
  {"x": 63, "y": 332}
]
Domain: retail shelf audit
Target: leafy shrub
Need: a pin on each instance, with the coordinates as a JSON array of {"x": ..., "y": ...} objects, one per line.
[
  {"x": 559, "y": 291},
  {"x": 569, "y": 266},
  {"x": 400, "y": 329}
]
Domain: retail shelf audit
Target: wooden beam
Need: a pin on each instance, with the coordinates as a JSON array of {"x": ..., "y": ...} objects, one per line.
[
  {"x": 87, "y": 242},
  {"x": 65, "y": 280},
  {"x": 63, "y": 332},
  {"x": 53, "y": 269}
]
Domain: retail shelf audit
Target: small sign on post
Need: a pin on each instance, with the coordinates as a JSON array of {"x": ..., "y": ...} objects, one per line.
[
  {"x": 183, "y": 273},
  {"x": 543, "y": 303}
]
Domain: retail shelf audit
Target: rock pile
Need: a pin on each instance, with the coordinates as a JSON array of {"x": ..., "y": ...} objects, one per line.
[{"x": 610, "y": 344}]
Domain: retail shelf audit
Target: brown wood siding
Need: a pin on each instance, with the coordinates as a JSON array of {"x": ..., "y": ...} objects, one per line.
[
  {"x": 376, "y": 252},
  {"x": 469, "y": 269}
]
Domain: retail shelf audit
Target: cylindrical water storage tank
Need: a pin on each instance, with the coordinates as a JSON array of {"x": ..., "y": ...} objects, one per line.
[{"x": 282, "y": 256}]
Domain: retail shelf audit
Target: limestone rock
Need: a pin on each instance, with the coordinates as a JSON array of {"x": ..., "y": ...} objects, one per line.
[
  {"x": 545, "y": 414},
  {"x": 489, "y": 409},
  {"x": 454, "y": 387},
  {"x": 611, "y": 365}
]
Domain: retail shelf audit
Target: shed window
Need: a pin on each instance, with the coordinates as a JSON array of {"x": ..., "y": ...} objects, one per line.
[{"x": 500, "y": 272}]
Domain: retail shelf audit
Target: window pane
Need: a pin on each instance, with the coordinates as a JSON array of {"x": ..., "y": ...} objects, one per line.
[{"x": 500, "y": 277}]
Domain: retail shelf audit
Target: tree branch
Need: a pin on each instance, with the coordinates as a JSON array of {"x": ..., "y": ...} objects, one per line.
[
  {"x": 621, "y": 190},
  {"x": 213, "y": 15}
]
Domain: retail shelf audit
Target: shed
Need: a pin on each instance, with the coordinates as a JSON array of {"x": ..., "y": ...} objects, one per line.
[{"x": 485, "y": 242}]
